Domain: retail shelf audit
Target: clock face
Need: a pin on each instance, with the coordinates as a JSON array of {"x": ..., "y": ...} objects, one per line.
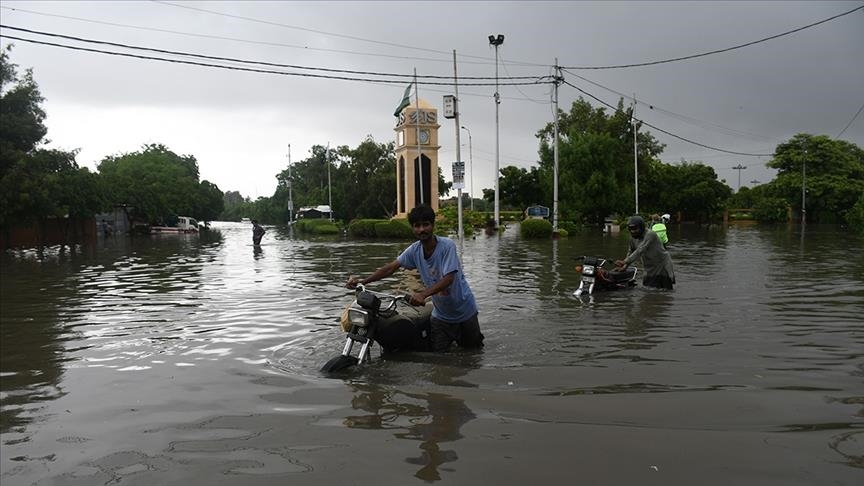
[{"x": 424, "y": 136}]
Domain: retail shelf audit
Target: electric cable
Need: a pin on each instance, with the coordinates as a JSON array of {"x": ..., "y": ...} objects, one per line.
[
  {"x": 267, "y": 71},
  {"x": 718, "y": 51},
  {"x": 243, "y": 61},
  {"x": 665, "y": 131}
]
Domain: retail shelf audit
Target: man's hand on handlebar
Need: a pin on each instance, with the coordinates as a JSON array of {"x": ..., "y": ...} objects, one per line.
[
  {"x": 417, "y": 298},
  {"x": 619, "y": 264},
  {"x": 352, "y": 282}
]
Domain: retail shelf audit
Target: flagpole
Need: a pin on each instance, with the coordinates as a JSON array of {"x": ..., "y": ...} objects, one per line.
[{"x": 417, "y": 127}]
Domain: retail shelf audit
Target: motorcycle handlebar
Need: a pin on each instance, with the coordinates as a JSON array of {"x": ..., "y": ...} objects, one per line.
[{"x": 393, "y": 298}]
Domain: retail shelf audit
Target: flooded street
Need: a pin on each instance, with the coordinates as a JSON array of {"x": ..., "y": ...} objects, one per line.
[{"x": 194, "y": 360}]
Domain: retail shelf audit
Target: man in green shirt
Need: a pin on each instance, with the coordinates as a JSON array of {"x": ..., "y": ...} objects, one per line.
[{"x": 659, "y": 227}]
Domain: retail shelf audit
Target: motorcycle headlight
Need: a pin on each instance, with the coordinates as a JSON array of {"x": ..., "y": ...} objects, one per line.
[
  {"x": 587, "y": 270},
  {"x": 358, "y": 317}
]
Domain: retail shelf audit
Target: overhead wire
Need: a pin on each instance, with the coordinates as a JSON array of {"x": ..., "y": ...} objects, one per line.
[
  {"x": 537, "y": 80},
  {"x": 655, "y": 107},
  {"x": 665, "y": 131},
  {"x": 235, "y": 39},
  {"x": 718, "y": 51},
  {"x": 426, "y": 80},
  {"x": 850, "y": 122},
  {"x": 245, "y": 61}
]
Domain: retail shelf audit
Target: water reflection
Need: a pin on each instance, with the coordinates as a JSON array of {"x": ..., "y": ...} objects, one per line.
[
  {"x": 31, "y": 339},
  {"x": 431, "y": 418},
  {"x": 164, "y": 330}
]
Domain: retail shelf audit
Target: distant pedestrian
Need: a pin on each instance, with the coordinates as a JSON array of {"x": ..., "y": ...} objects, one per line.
[{"x": 257, "y": 232}]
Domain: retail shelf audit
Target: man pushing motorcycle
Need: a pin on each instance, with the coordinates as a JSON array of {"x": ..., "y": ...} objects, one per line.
[
  {"x": 454, "y": 313},
  {"x": 656, "y": 261}
]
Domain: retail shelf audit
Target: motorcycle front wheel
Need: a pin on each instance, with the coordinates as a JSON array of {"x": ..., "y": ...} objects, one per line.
[{"x": 339, "y": 363}]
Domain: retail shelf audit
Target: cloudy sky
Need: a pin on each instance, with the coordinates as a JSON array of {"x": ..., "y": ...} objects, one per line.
[{"x": 729, "y": 106}]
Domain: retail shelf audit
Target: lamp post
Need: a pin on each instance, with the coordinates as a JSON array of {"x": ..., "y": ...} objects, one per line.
[
  {"x": 739, "y": 168},
  {"x": 290, "y": 195},
  {"x": 804, "y": 189},
  {"x": 496, "y": 41},
  {"x": 470, "y": 164}
]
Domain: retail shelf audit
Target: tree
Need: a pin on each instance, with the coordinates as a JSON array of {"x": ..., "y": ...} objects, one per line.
[
  {"x": 834, "y": 175},
  {"x": 159, "y": 185},
  {"x": 595, "y": 161},
  {"x": 21, "y": 116},
  {"x": 35, "y": 183},
  {"x": 370, "y": 185},
  {"x": 519, "y": 187}
]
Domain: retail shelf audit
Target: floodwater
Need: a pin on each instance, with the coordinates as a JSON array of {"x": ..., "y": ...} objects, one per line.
[{"x": 194, "y": 360}]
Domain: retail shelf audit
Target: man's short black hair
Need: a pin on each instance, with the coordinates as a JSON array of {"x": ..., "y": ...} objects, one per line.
[{"x": 420, "y": 214}]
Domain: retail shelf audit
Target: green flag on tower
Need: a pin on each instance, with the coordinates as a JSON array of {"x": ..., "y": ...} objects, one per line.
[{"x": 406, "y": 100}]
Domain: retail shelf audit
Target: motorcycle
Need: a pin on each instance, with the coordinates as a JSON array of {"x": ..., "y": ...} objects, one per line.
[
  {"x": 599, "y": 274},
  {"x": 386, "y": 319}
]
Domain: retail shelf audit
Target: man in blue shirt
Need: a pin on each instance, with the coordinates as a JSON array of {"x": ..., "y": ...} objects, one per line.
[{"x": 454, "y": 312}]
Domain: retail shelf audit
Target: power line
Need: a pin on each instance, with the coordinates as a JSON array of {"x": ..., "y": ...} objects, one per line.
[
  {"x": 850, "y": 122},
  {"x": 664, "y": 131},
  {"x": 243, "y": 61},
  {"x": 717, "y": 51},
  {"x": 247, "y": 41},
  {"x": 694, "y": 121},
  {"x": 305, "y": 29}
]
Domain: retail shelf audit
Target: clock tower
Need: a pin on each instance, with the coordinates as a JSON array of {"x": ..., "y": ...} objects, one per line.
[{"x": 416, "y": 157}]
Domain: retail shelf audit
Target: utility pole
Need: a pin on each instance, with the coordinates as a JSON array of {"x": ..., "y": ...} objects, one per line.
[
  {"x": 555, "y": 153},
  {"x": 458, "y": 147},
  {"x": 470, "y": 164},
  {"x": 290, "y": 184},
  {"x": 739, "y": 168},
  {"x": 329, "y": 188},
  {"x": 804, "y": 189},
  {"x": 635, "y": 160},
  {"x": 497, "y": 41}
]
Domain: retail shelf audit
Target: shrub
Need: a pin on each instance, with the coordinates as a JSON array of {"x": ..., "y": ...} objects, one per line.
[
  {"x": 536, "y": 228},
  {"x": 770, "y": 210},
  {"x": 363, "y": 227},
  {"x": 394, "y": 228},
  {"x": 855, "y": 216},
  {"x": 568, "y": 226},
  {"x": 317, "y": 226}
]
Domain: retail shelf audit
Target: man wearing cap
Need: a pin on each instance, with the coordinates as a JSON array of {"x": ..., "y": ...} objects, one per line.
[{"x": 656, "y": 262}]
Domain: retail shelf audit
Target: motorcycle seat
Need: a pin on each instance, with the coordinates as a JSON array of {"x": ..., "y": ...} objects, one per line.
[{"x": 620, "y": 276}]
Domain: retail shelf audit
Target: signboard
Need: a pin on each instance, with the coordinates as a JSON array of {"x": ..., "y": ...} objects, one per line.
[
  {"x": 537, "y": 212},
  {"x": 459, "y": 175},
  {"x": 449, "y": 106}
]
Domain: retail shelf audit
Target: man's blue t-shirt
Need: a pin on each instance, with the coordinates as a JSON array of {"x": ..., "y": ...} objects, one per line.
[{"x": 454, "y": 304}]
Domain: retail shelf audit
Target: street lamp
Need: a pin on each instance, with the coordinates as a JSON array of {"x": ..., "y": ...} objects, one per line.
[
  {"x": 739, "y": 168},
  {"x": 804, "y": 189},
  {"x": 470, "y": 164},
  {"x": 496, "y": 41},
  {"x": 290, "y": 195}
]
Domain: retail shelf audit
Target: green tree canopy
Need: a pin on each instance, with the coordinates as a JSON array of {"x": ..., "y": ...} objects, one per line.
[
  {"x": 834, "y": 176},
  {"x": 159, "y": 184},
  {"x": 596, "y": 173},
  {"x": 36, "y": 183}
]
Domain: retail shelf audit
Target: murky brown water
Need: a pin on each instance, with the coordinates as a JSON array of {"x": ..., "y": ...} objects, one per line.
[{"x": 194, "y": 360}]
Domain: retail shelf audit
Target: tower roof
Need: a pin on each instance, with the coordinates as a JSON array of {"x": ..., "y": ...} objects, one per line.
[{"x": 424, "y": 105}]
